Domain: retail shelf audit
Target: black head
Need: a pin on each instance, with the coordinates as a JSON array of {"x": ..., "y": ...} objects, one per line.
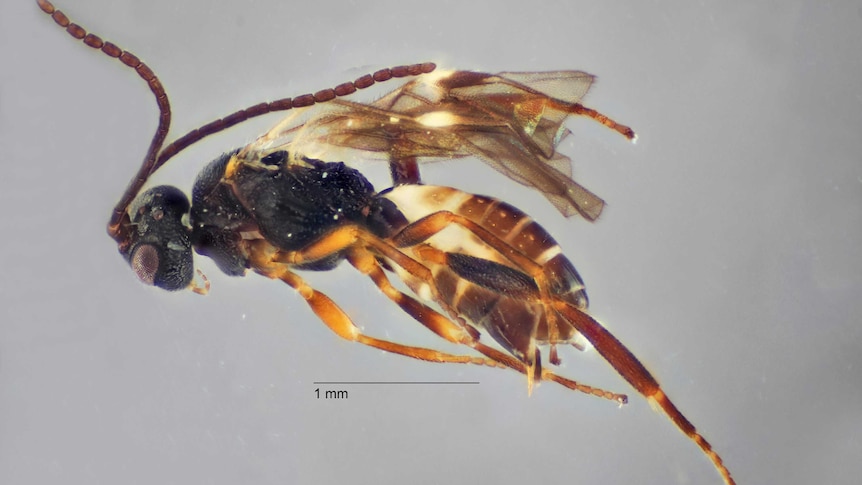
[{"x": 160, "y": 252}]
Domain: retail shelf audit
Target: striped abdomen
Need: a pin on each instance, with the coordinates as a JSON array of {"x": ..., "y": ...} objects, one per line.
[{"x": 482, "y": 285}]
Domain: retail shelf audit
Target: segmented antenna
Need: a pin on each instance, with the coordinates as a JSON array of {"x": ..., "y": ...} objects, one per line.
[
  {"x": 284, "y": 104},
  {"x": 132, "y": 61},
  {"x": 118, "y": 226}
]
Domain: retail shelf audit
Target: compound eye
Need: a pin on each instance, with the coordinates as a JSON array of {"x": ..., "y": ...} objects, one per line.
[{"x": 145, "y": 263}]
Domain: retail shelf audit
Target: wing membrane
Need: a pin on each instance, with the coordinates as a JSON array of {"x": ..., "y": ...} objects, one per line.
[{"x": 511, "y": 121}]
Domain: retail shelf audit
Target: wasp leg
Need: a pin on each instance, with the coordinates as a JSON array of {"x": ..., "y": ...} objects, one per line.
[
  {"x": 353, "y": 236},
  {"x": 622, "y": 359},
  {"x": 608, "y": 346},
  {"x": 337, "y": 320},
  {"x": 365, "y": 262},
  {"x": 426, "y": 227}
]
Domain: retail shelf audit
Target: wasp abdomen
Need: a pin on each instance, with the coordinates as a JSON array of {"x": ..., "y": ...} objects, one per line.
[
  {"x": 481, "y": 284},
  {"x": 504, "y": 221},
  {"x": 526, "y": 235}
]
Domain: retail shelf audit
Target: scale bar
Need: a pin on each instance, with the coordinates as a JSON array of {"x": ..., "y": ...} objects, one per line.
[{"x": 396, "y": 382}]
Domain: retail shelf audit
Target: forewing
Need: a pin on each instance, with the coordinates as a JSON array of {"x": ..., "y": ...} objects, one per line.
[
  {"x": 511, "y": 158},
  {"x": 531, "y": 103},
  {"x": 512, "y": 121}
]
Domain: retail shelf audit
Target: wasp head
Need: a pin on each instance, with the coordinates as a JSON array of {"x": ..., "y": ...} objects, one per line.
[{"x": 160, "y": 252}]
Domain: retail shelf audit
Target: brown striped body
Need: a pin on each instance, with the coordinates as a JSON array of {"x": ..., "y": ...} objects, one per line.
[{"x": 518, "y": 322}]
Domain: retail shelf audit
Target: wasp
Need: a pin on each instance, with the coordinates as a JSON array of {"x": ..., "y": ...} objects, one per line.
[{"x": 274, "y": 207}]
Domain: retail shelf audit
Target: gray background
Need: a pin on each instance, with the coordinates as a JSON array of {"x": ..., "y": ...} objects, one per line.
[{"x": 727, "y": 258}]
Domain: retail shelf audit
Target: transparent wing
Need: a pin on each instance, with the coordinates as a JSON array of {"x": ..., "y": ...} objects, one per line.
[{"x": 512, "y": 121}]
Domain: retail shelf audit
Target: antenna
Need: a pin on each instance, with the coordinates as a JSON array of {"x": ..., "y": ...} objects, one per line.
[{"x": 119, "y": 224}]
